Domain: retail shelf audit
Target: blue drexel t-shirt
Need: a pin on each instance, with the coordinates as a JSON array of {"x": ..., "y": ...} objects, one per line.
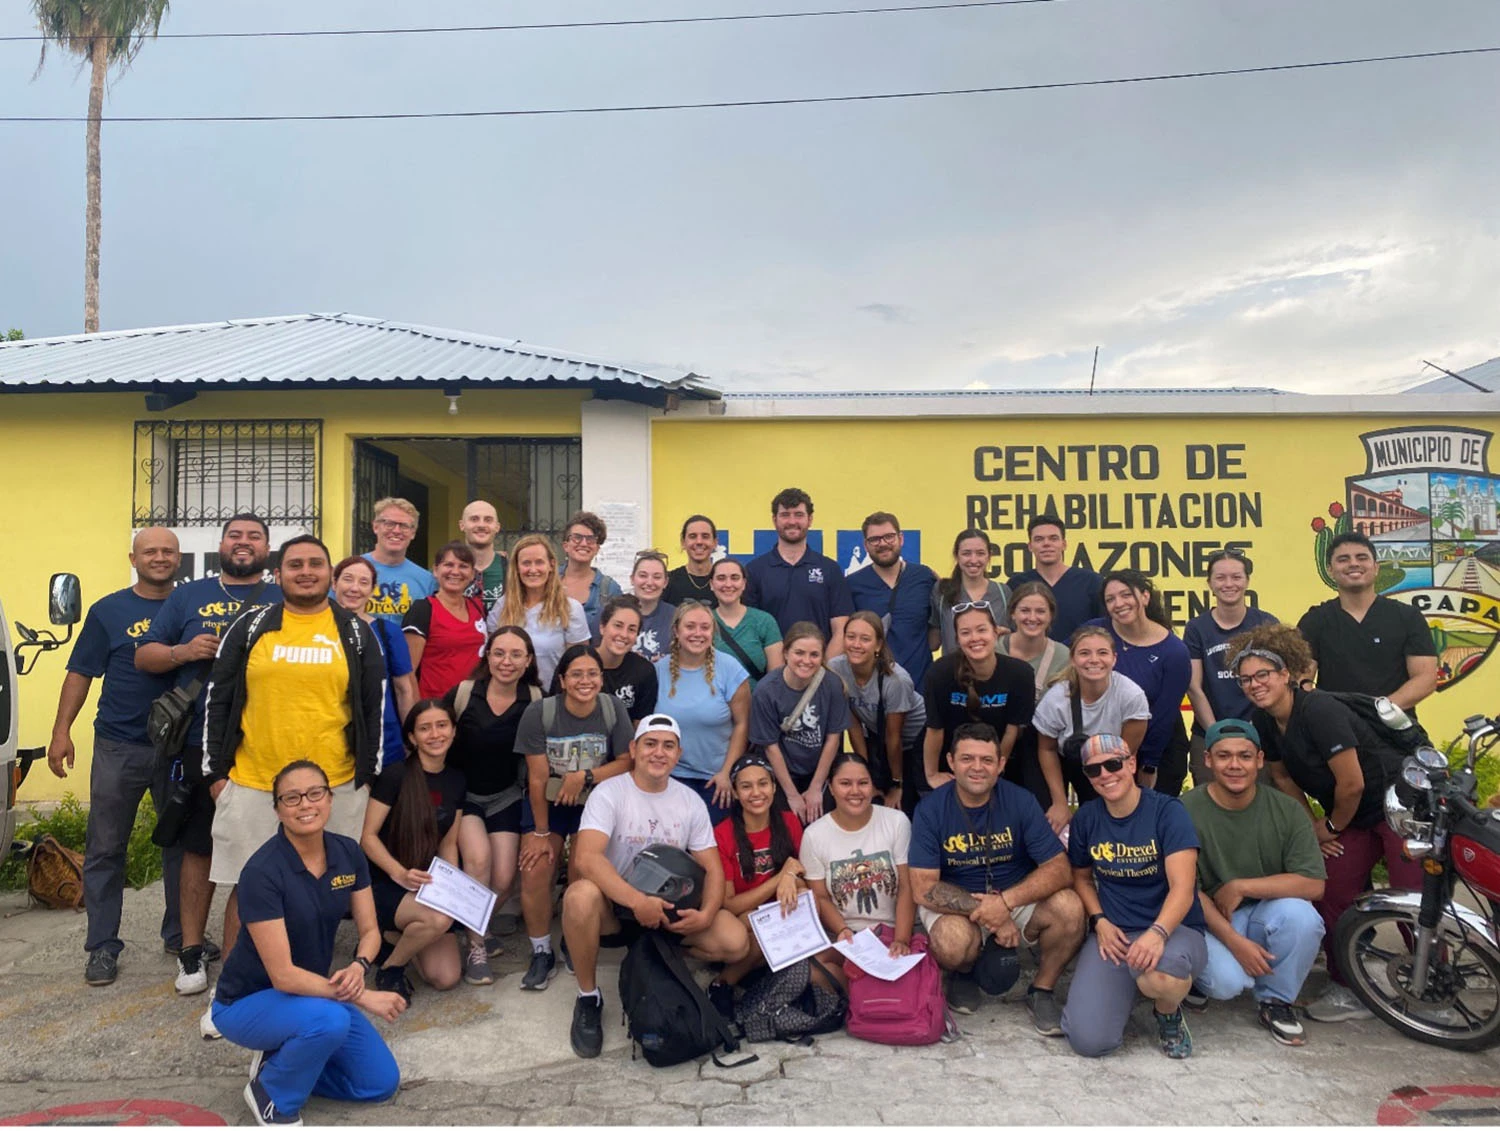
[
  {"x": 908, "y": 610},
  {"x": 982, "y": 850},
  {"x": 209, "y": 604},
  {"x": 1128, "y": 857},
  {"x": 1077, "y": 596},
  {"x": 397, "y": 588},
  {"x": 106, "y": 645},
  {"x": 275, "y": 884}
]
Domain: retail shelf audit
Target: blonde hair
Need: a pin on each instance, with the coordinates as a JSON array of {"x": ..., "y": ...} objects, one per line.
[
  {"x": 398, "y": 504},
  {"x": 1069, "y": 674},
  {"x": 674, "y": 648},
  {"x": 554, "y": 608},
  {"x": 885, "y": 663}
]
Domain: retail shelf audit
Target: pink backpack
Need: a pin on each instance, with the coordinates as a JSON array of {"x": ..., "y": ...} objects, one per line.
[{"x": 909, "y": 1011}]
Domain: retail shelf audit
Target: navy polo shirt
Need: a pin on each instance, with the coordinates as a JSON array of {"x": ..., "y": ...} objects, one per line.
[
  {"x": 1077, "y": 596},
  {"x": 906, "y": 630},
  {"x": 275, "y": 884},
  {"x": 106, "y": 645},
  {"x": 814, "y": 589}
]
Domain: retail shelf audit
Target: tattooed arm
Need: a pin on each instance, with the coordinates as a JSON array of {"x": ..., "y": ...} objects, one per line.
[{"x": 940, "y": 896}]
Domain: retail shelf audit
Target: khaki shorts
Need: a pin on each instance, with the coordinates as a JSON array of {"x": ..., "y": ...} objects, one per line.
[
  {"x": 245, "y": 818},
  {"x": 1020, "y": 916}
]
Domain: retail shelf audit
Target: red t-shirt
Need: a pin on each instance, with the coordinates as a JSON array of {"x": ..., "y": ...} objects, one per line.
[
  {"x": 453, "y": 646},
  {"x": 760, "y": 842}
]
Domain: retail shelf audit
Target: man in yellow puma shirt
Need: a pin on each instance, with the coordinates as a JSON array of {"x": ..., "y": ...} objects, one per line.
[{"x": 303, "y": 678}]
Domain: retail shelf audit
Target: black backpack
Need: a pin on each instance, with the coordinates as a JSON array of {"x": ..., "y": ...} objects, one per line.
[
  {"x": 668, "y": 1015},
  {"x": 1402, "y": 742},
  {"x": 786, "y": 1005}
]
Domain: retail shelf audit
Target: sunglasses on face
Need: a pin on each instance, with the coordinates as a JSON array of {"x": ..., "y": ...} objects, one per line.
[{"x": 1108, "y": 766}]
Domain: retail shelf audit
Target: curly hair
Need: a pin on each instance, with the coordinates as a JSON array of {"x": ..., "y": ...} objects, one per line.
[
  {"x": 674, "y": 648},
  {"x": 1282, "y": 639}
]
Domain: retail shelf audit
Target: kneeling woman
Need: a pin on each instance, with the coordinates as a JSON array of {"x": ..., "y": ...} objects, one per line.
[
  {"x": 275, "y": 994},
  {"x": 1135, "y": 858},
  {"x": 412, "y": 817}
]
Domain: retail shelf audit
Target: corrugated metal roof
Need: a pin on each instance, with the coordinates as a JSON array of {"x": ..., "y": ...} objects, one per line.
[
  {"x": 884, "y": 394},
  {"x": 1486, "y": 374},
  {"x": 320, "y": 349}
]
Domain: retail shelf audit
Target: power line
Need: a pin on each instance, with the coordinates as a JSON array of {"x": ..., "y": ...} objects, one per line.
[
  {"x": 560, "y": 24},
  {"x": 752, "y": 102}
]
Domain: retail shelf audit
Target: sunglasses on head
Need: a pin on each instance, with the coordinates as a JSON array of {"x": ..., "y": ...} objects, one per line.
[
  {"x": 965, "y": 606},
  {"x": 1108, "y": 766}
]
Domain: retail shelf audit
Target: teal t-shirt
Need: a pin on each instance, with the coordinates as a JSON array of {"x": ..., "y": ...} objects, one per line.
[{"x": 756, "y": 632}]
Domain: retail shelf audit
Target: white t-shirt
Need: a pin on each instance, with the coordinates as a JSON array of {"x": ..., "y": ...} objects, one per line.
[
  {"x": 633, "y": 819},
  {"x": 548, "y": 641},
  {"x": 1124, "y": 700},
  {"x": 860, "y": 867}
]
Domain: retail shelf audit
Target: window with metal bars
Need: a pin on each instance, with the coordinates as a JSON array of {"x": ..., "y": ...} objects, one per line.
[{"x": 203, "y": 472}]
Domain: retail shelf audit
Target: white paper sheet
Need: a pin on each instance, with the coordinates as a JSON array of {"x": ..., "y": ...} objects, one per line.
[
  {"x": 872, "y": 956},
  {"x": 457, "y": 895},
  {"x": 623, "y": 520},
  {"x": 787, "y": 939}
]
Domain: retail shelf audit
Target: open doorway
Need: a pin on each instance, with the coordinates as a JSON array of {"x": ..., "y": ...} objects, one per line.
[{"x": 534, "y": 484}]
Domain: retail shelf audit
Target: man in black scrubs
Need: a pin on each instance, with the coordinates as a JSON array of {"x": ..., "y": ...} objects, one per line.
[
  {"x": 1368, "y": 643},
  {"x": 1075, "y": 589}
]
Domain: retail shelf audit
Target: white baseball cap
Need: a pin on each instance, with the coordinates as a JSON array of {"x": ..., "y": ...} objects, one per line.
[{"x": 658, "y": 722}]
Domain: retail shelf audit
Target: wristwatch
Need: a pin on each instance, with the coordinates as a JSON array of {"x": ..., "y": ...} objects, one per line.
[
  {"x": 363, "y": 961},
  {"x": 1328, "y": 824},
  {"x": 588, "y": 779},
  {"x": 1094, "y": 921}
]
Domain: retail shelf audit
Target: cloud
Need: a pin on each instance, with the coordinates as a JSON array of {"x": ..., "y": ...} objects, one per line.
[{"x": 886, "y": 312}]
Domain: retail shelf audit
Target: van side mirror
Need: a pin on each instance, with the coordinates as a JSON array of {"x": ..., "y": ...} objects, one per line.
[{"x": 65, "y": 605}]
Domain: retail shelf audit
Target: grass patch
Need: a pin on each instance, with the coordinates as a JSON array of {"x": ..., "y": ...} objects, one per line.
[{"x": 68, "y": 822}]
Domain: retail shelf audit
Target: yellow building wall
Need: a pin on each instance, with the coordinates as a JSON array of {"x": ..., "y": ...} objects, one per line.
[
  {"x": 1154, "y": 493},
  {"x": 69, "y": 474}
]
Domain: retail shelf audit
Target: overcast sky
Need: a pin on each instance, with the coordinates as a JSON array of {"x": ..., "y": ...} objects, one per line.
[{"x": 1319, "y": 231}]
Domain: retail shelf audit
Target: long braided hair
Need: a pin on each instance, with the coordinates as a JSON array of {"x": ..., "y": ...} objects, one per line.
[{"x": 674, "y": 648}]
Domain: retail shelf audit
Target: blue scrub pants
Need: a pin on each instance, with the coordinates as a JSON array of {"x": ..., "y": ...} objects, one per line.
[
  {"x": 314, "y": 1047},
  {"x": 1291, "y": 929}
]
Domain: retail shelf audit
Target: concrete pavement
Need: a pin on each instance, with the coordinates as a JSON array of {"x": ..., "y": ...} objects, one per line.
[{"x": 495, "y": 1055}]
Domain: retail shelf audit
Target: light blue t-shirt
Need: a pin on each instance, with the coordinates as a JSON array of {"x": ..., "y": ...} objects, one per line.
[
  {"x": 397, "y": 588},
  {"x": 702, "y": 711}
]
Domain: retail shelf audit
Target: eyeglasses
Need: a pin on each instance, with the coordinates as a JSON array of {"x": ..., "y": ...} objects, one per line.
[
  {"x": 1108, "y": 766},
  {"x": 881, "y": 539},
  {"x": 965, "y": 606},
  {"x": 581, "y": 539},
  {"x": 1262, "y": 676},
  {"x": 394, "y": 524},
  {"x": 295, "y": 797}
]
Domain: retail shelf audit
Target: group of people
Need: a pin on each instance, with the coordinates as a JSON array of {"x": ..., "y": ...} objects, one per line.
[{"x": 786, "y": 724}]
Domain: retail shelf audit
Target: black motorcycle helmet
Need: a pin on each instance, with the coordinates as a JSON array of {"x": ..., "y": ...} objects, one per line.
[{"x": 670, "y": 874}]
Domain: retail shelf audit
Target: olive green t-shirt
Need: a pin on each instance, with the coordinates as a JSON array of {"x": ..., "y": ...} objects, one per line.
[
  {"x": 1271, "y": 837},
  {"x": 489, "y": 586}
]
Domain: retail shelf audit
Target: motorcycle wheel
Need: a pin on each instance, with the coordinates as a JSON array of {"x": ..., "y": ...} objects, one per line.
[{"x": 1459, "y": 1009}]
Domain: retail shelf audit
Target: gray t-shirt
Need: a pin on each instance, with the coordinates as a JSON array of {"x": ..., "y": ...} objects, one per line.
[
  {"x": 633, "y": 819},
  {"x": 826, "y": 713},
  {"x": 573, "y": 743},
  {"x": 1121, "y": 702},
  {"x": 900, "y": 696},
  {"x": 941, "y": 617}
]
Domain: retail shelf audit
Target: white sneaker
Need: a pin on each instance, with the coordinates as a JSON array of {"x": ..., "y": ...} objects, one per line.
[
  {"x": 1337, "y": 1003},
  {"x": 256, "y": 1060},
  {"x": 206, "y": 1025},
  {"x": 194, "y": 980}
]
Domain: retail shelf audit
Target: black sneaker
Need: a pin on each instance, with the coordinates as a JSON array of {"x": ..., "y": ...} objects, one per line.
[
  {"x": 1281, "y": 1020},
  {"x": 1196, "y": 999},
  {"x": 211, "y": 952},
  {"x": 1046, "y": 1014},
  {"x": 102, "y": 968},
  {"x": 266, "y": 1113},
  {"x": 587, "y": 1033},
  {"x": 393, "y": 979},
  {"x": 540, "y": 972},
  {"x": 964, "y": 994}
]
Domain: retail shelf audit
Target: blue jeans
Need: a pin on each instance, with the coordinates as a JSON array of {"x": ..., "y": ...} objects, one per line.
[
  {"x": 121, "y": 774},
  {"x": 1291, "y": 929},
  {"x": 313, "y": 1045}
]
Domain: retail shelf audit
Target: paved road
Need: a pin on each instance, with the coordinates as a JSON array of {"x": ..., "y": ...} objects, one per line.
[{"x": 494, "y": 1055}]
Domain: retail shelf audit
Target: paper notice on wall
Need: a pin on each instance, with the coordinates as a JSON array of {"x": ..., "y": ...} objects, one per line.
[{"x": 623, "y": 521}]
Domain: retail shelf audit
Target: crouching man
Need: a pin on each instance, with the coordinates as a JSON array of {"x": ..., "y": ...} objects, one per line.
[
  {"x": 1260, "y": 869},
  {"x": 621, "y": 817},
  {"x": 988, "y": 871}
]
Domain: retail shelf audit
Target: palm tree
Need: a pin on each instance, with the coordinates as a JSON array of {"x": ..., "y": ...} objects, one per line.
[{"x": 105, "y": 33}]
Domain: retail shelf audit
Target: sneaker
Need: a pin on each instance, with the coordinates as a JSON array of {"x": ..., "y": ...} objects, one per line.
[
  {"x": 477, "y": 965},
  {"x": 721, "y": 995},
  {"x": 493, "y": 947},
  {"x": 506, "y": 923},
  {"x": 1196, "y": 999},
  {"x": 257, "y": 1058},
  {"x": 1046, "y": 1014},
  {"x": 192, "y": 972},
  {"x": 587, "y": 1033},
  {"x": 540, "y": 972},
  {"x": 102, "y": 967},
  {"x": 393, "y": 979},
  {"x": 211, "y": 952},
  {"x": 265, "y": 1112},
  {"x": 1337, "y": 1003},
  {"x": 1172, "y": 1029},
  {"x": 964, "y": 994},
  {"x": 1281, "y": 1019},
  {"x": 206, "y": 1027}
]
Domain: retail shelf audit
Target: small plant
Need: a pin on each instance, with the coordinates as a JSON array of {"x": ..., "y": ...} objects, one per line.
[{"x": 68, "y": 822}]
